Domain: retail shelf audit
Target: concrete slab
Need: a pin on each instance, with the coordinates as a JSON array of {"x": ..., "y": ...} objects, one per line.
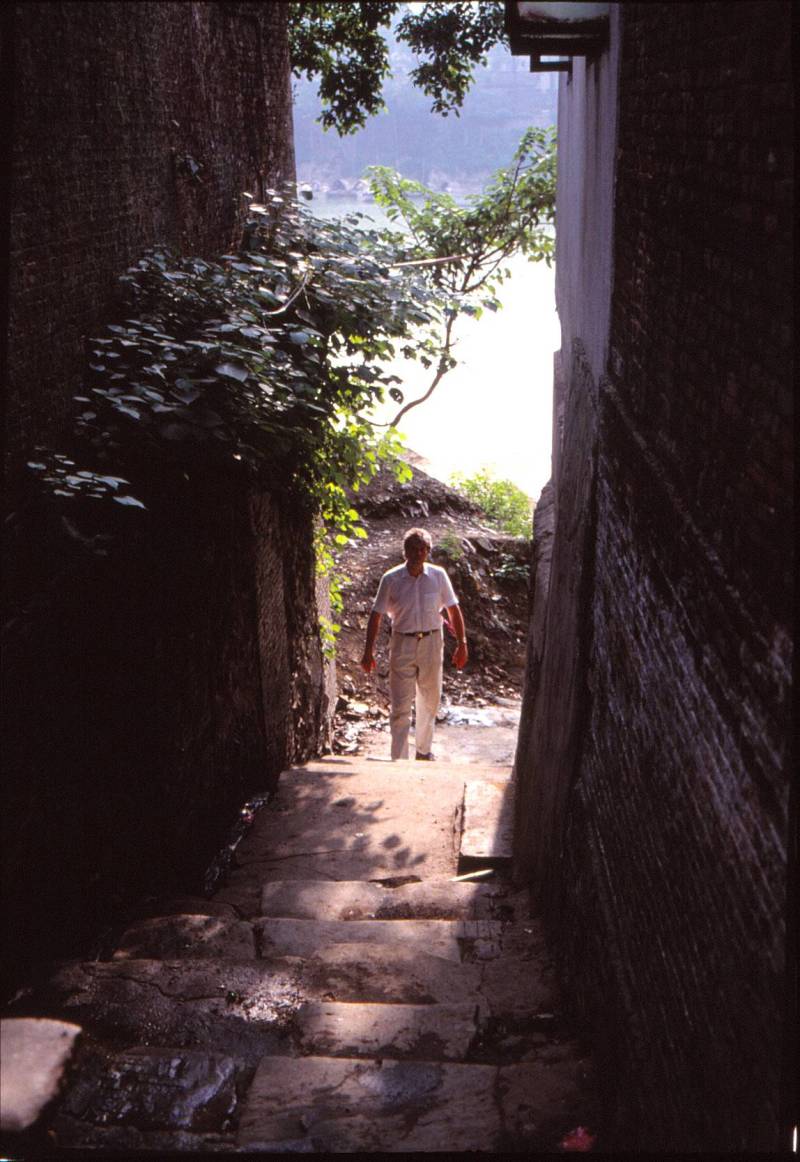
[
  {"x": 488, "y": 822},
  {"x": 287, "y": 937},
  {"x": 421, "y": 1032},
  {"x": 168, "y": 937},
  {"x": 34, "y": 1052},
  {"x": 358, "y": 900},
  {"x": 351, "y": 1106}
]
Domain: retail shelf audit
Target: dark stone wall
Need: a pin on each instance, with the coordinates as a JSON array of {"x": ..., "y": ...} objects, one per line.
[
  {"x": 701, "y": 337},
  {"x": 555, "y": 703},
  {"x": 147, "y": 692},
  {"x": 664, "y": 868},
  {"x": 146, "y": 696},
  {"x": 114, "y": 105}
]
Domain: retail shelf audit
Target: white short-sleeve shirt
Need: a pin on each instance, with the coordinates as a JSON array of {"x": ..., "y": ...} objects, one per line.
[{"x": 414, "y": 603}]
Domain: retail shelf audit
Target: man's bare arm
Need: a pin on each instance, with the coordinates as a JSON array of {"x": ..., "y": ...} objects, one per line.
[
  {"x": 456, "y": 619},
  {"x": 373, "y": 625}
]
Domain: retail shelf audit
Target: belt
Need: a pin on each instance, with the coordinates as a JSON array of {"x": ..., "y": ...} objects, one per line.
[{"x": 416, "y": 633}]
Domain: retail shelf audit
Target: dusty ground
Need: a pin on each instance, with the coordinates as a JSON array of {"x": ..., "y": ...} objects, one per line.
[{"x": 480, "y": 706}]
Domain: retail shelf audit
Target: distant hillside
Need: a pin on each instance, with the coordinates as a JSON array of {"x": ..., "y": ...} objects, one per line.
[{"x": 457, "y": 151}]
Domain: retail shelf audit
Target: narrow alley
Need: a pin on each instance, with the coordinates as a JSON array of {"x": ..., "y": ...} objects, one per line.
[
  {"x": 583, "y": 937},
  {"x": 366, "y": 979}
]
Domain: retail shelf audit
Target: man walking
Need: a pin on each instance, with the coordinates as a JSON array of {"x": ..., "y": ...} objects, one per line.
[{"x": 413, "y": 595}]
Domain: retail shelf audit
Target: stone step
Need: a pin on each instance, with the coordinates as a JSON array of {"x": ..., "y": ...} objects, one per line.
[
  {"x": 448, "y": 939},
  {"x": 337, "y": 829},
  {"x": 487, "y": 824},
  {"x": 348, "y": 1105},
  {"x": 174, "y": 936},
  {"x": 151, "y": 1089},
  {"x": 360, "y": 900},
  {"x": 345, "y": 1105},
  {"x": 384, "y": 769},
  {"x": 341, "y": 820},
  {"x": 422, "y": 1032},
  {"x": 34, "y": 1053},
  {"x": 168, "y": 1001}
]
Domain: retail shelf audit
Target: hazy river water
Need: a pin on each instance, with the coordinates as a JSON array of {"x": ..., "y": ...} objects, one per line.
[{"x": 494, "y": 409}]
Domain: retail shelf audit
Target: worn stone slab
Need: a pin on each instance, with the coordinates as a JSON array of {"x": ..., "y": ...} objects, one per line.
[
  {"x": 374, "y": 769},
  {"x": 319, "y": 829},
  {"x": 358, "y": 900},
  {"x": 488, "y": 821},
  {"x": 423, "y": 1032},
  {"x": 344, "y": 1105},
  {"x": 244, "y": 1005},
  {"x": 34, "y": 1052},
  {"x": 241, "y": 1008},
  {"x": 123, "y": 1140},
  {"x": 444, "y": 938},
  {"x": 389, "y": 974},
  {"x": 156, "y": 1089},
  {"x": 168, "y": 937}
]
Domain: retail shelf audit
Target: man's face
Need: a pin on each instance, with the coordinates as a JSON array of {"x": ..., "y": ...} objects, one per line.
[{"x": 416, "y": 552}]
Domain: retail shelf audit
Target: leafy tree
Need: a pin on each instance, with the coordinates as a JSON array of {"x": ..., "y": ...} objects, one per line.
[
  {"x": 263, "y": 362},
  {"x": 344, "y": 45},
  {"x": 503, "y": 503},
  {"x": 464, "y": 249}
]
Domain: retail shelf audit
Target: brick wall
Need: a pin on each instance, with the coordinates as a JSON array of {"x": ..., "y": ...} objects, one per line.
[
  {"x": 147, "y": 693},
  {"x": 114, "y": 104},
  {"x": 662, "y": 830},
  {"x": 701, "y": 339}
]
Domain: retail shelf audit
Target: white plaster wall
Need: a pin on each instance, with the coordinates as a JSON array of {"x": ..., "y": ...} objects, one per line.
[{"x": 587, "y": 134}]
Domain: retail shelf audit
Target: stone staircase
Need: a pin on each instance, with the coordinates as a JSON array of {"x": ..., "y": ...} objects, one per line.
[{"x": 344, "y": 991}]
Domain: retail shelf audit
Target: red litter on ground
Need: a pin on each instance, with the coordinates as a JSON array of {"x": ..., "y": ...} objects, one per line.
[{"x": 577, "y": 1139}]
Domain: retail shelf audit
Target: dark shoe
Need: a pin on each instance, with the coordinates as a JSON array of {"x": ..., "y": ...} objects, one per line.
[{"x": 430, "y": 757}]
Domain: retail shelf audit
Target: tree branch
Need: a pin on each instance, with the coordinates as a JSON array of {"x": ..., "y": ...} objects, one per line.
[
  {"x": 432, "y": 261},
  {"x": 440, "y": 374},
  {"x": 295, "y": 294}
]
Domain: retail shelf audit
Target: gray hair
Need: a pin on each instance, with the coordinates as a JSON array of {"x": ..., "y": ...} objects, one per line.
[{"x": 418, "y": 534}]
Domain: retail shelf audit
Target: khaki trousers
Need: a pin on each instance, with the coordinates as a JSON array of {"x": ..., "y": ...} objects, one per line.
[{"x": 415, "y": 667}]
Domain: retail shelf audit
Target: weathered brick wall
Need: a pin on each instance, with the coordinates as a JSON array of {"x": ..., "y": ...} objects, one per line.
[
  {"x": 148, "y": 692},
  {"x": 700, "y": 335},
  {"x": 114, "y": 104},
  {"x": 666, "y": 865}
]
